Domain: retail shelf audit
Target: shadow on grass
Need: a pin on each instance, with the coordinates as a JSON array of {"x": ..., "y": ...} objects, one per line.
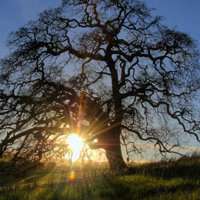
[
  {"x": 185, "y": 168},
  {"x": 145, "y": 189}
]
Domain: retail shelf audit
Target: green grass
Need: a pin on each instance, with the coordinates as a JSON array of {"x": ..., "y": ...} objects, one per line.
[{"x": 164, "y": 180}]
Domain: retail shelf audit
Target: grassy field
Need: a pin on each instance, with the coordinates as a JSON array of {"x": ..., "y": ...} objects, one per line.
[{"x": 164, "y": 180}]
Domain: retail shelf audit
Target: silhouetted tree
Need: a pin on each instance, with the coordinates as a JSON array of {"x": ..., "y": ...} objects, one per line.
[{"x": 144, "y": 76}]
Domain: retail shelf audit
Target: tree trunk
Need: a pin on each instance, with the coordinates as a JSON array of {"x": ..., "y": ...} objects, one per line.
[
  {"x": 110, "y": 142},
  {"x": 114, "y": 153}
]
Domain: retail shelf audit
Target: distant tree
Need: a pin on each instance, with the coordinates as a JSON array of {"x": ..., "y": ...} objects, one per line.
[{"x": 139, "y": 78}]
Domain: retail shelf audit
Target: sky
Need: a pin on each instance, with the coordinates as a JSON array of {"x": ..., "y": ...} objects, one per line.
[
  {"x": 16, "y": 13},
  {"x": 182, "y": 14}
]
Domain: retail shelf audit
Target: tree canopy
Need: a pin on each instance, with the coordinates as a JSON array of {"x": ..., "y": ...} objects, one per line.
[{"x": 132, "y": 77}]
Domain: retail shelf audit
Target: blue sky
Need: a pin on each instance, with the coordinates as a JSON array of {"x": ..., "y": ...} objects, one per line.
[
  {"x": 16, "y": 13},
  {"x": 183, "y": 14}
]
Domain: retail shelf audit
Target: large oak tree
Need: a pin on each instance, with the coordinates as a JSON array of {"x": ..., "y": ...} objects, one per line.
[{"x": 139, "y": 78}]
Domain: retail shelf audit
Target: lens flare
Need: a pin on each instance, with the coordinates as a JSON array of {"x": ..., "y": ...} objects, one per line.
[{"x": 72, "y": 176}]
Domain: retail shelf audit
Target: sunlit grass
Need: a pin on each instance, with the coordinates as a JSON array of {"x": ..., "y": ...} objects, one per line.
[{"x": 164, "y": 180}]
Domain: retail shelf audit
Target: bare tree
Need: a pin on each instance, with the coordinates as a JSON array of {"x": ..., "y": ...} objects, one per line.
[{"x": 143, "y": 73}]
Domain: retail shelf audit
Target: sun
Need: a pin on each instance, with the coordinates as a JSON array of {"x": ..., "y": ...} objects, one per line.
[{"x": 76, "y": 145}]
